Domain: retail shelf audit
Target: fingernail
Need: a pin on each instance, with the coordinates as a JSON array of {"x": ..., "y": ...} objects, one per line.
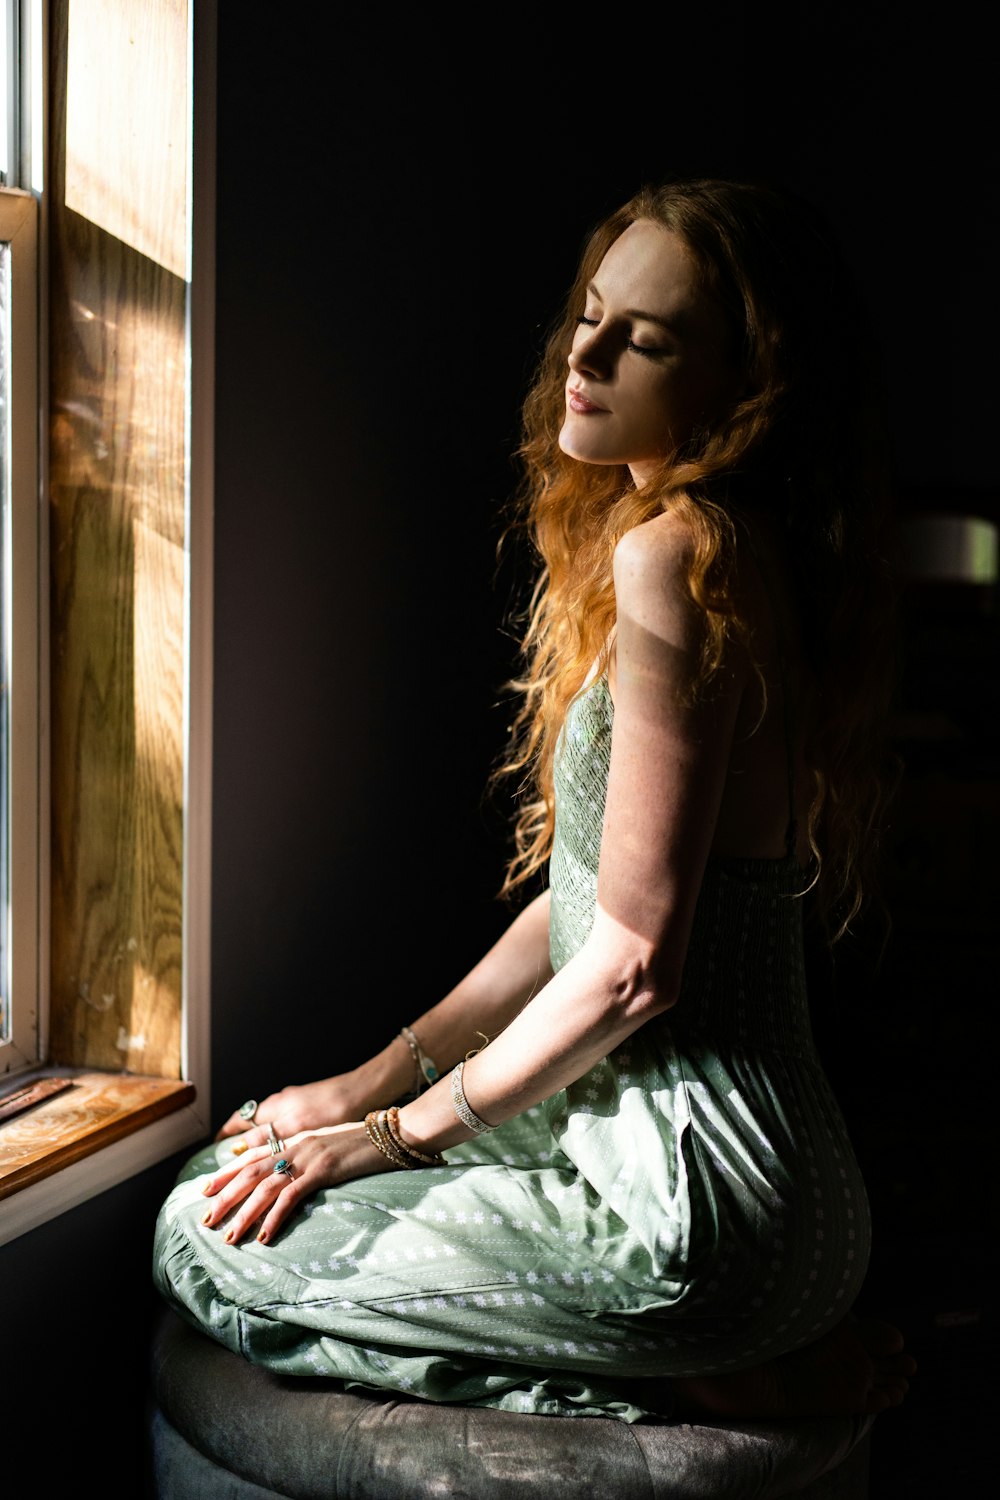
[
  {"x": 230, "y": 1236},
  {"x": 262, "y": 1236},
  {"x": 207, "y": 1218},
  {"x": 240, "y": 1147}
]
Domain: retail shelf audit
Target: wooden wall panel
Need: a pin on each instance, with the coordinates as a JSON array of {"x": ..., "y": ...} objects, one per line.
[{"x": 117, "y": 542}]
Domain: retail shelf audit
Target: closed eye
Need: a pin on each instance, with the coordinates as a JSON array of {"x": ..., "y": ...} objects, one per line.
[{"x": 649, "y": 351}]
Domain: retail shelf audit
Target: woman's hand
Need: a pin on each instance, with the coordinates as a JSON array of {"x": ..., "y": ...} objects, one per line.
[
  {"x": 307, "y": 1106},
  {"x": 256, "y": 1189}
]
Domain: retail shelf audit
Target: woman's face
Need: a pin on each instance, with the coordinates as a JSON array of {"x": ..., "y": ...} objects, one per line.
[{"x": 651, "y": 356}]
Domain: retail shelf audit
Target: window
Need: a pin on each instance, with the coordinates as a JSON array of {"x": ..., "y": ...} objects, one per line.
[
  {"x": 19, "y": 634},
  {"x": 117, "y": 1014},
  {"x": 21, "y": 832}
]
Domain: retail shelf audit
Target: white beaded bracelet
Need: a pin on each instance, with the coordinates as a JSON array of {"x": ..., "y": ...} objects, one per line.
[{"x": 461, "y": 1105}]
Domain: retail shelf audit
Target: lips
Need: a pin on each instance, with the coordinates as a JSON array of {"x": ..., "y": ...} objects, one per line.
[{"x": 577, "y": 401}]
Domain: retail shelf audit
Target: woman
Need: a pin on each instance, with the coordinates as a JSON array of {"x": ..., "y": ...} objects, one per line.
[{"x": 618, "y": 1150}]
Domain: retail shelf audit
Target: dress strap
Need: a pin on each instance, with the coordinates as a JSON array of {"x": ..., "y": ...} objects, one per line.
[{"x": 792, "y": 828}]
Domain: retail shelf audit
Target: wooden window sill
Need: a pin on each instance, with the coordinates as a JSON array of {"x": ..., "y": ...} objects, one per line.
[{"x": 94, "y": 1112}]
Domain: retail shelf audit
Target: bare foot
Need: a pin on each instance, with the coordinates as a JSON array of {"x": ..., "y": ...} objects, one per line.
[{"x": 856, "y": 1369}]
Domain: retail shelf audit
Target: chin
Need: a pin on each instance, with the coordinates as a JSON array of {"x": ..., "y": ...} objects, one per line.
[{"x": 580, "y": 451}]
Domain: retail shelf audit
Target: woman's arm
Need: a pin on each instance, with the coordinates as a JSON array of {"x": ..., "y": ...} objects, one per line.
[
  {"x": 669, "y": 763},
  {"x": 480, "y": 1005}
]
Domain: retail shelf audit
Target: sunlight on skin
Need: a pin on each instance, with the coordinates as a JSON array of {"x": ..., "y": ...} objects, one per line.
[{"x": 651, "y": 359}]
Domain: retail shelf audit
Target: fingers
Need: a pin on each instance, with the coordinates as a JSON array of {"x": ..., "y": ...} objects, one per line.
[
  {"x": 246, "y": 1192},
  {"x": 246, "y": 1141},
  {"x": 286, "y": 1202},
  {"x": 260, "y": 1135},
  {"x": 242, "y": 1119},
  {"x": 231, "y": 1173},
  {"x": 237, "y": 1125},
  {"x": 267, "y": 1183}
]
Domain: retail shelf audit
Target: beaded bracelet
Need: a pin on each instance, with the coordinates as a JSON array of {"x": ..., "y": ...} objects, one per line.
[
  {"x": 392, "y": 1126},
  {"x": 461, "y": 1105},
  {"x": 383, "y": 1142},
  {"x": 386, "y": 1138},
  {"x": 427, "y": 1068}
]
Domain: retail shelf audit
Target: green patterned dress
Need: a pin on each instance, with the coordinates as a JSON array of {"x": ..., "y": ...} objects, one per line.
[{"x": 691, "y": 1204}]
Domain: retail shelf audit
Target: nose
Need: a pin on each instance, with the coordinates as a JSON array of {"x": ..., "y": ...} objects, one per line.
[{"x": 591, "y": 353}]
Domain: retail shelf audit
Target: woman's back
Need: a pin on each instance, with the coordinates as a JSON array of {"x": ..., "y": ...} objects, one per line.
[{"x": 711, "y": 1137}]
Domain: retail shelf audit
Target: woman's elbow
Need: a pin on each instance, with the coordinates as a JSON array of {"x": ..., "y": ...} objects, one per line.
[
  {"x": 643, "y": 977},
  {"x": 643, "y": 960},
  {"x": 649, "y": 993}
]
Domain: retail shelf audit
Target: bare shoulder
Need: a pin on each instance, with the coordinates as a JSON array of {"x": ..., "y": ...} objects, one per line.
[
  {"x": 663, "y": 543},
  {"x": 651, "y": 567}
]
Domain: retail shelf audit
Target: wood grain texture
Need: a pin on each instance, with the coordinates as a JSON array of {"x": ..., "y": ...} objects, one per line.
[
  {"x": 97, "y": 1109},
  {"x": 117, "y": 537}
]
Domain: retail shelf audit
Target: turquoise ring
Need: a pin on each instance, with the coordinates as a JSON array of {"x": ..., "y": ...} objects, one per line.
[
  {"x": 248, "y": 1110},
  {"x": 283, "y": 1165}
]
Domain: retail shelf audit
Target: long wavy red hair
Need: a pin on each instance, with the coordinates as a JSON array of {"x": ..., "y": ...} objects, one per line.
[{"x": 806, "y": 439}]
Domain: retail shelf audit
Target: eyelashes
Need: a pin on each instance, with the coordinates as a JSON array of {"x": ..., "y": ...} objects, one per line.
[{"x": 646, "y": 350}]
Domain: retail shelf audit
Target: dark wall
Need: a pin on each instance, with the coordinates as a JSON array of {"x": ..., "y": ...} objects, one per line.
[
  {"x": 388, "y": 263},
  {"x": 398, "y": 218},
  {"x": 388, "y": 260}
]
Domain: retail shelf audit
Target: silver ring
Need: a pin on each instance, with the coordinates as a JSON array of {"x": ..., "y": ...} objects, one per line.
[
  {"x": 284, "y": 1166},
  {"x": 274, "y": 1140},
  {"x": 248, "y": 1110}
]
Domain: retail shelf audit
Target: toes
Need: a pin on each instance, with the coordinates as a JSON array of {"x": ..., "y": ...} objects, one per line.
[
  {"x": 880, "y": 1338},
  {"x": 898, "y": 1365},
  {"x": 884, "y": 1345},
  {"x": 893, "y": 1392}
]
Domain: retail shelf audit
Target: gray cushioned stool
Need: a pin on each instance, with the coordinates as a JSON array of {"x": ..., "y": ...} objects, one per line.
[{"x": 223, "y": 1429}]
